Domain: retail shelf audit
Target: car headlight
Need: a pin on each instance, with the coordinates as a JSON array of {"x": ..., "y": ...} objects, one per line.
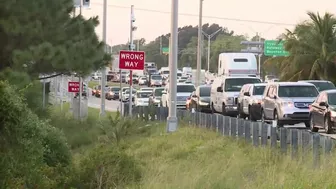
[
  {"x": 287, "y": 104},
  {"x": 156, "y": 101}
]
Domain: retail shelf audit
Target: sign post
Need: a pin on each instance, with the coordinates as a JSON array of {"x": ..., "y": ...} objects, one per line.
[{"x": 131, "y": 60}]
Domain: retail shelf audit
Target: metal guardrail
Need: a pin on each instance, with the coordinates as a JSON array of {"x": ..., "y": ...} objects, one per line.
[{"x": 297, "y": 142}]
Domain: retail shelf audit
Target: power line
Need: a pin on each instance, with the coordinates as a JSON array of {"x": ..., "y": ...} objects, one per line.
[{"x": 195, "y": 15}]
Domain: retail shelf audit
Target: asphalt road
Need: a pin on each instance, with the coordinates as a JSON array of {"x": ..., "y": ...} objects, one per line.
[{"x": 110, "y": 105}]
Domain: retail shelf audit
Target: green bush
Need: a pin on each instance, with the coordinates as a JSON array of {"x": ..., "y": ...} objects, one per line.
[
  {"x": 26, "y": 145},
  {"x": 32, "y": 91},
  {"x": 108, "y": 167}
]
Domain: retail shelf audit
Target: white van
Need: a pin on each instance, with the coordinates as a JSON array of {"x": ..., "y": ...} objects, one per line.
[
  {"x": 225, "y": 91},
  {"x": 243, "y": 64}
]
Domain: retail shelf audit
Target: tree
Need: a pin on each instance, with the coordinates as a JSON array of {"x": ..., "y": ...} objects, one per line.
[
  {"x": 43, "y": 38},
  {"x": 312, "y": 49}
]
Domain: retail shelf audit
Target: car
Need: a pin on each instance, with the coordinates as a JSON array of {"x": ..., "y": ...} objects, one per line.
[
  {"x": 322, "y": 113},
  {"x": 99, "y": 92},
  {"x": 143, "y": 81},
  {"x": 142, "y": 98},
  {"x": 113, "y": 93},
  {"x": 287, "y": 103},
  {"x": 183, "y": 91},
  {"x": 155, "y": 97},
  {"x": 321, "y": 85},
  {"x": 125, "y": 97},
  {"x": 122, "y": 92},
  {"x": 249, "y": 101},
  {"x": 200, "y": 99},
  {"x": 155, "y": 81},
  {"x": 95, "y": 89}
]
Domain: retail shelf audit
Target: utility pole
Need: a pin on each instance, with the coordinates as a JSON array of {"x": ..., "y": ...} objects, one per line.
[
  {"x": 103, "y": 78},
  {"x": 199, "y": 45},
  {"x": 131, "y": 48},
  {"x": 209, "y": 44},
  {"x": 259, "y": 55},
  {"x": 80, "y": 77},
  {"x": 161, "y": 44},
  {"x": 173, "y": 50}
]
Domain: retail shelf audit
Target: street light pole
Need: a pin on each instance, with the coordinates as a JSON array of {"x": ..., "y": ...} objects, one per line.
[
  {"x": 103, "y": 78},
  {"x": 173, "y": 49},
  {"x": 199, "y": 45},
  {"x": 209, "y": 44},
  {"x": 131, "y": 48}
]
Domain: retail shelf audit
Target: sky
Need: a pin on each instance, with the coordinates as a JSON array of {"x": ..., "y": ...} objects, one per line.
[{"x": 153, "y": 16}]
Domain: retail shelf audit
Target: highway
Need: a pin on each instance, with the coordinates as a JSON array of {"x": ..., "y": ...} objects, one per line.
[{"x": 110, "y": 105}]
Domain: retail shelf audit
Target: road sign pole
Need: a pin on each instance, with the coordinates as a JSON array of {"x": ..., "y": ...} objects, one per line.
[
  {"x": 120, "y": 95},
  {"x": 80, "y": 99},
  {"x": 61, "y": 87},
  {"x": 103, "y": 77},
  {"x": 43, "y": 95},
  {"x": 173, "y": 50},
  {"x": 131, "y": 48},
  {"x": 199, "y": 44}
]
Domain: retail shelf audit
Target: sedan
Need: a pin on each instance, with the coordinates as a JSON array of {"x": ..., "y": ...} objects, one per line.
[{"x": 322, "y": 112}]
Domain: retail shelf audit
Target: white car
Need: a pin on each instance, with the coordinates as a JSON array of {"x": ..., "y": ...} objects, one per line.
[
  {"x": 142, "y": 80},
  {"x": 125, "y": 95},
  {"x": 142, "y": 98},
  {"x": 184, "y": 91}
]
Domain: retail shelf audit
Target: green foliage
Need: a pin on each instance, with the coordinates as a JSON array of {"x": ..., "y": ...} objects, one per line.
[
  {"x": 312, "y": 48},
  {"x": 108, "y": 167},
  {"x": 44, "y": 38},
  {"x": 32, "y": 91},
  {"x": 27, "y": 144}
]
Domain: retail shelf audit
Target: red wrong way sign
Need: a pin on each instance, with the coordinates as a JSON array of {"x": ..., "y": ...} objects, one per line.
[
  {"x": 73, "y": 86},
  {"x": 132, "y": 60}
]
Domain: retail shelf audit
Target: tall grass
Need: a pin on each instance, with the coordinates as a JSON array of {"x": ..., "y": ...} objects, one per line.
[{"x": 196, "y": 158}]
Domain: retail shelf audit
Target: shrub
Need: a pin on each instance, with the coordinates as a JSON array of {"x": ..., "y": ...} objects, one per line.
[
  {"x": 108, "y": 167},
  {"x": 26, "y": 145}
]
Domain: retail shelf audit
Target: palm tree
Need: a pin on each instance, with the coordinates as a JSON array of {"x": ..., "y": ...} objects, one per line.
[{"x": 312, "y": 49}]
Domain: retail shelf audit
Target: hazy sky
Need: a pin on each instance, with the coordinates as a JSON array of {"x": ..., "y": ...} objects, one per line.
[{"x": 153, "y": 16}]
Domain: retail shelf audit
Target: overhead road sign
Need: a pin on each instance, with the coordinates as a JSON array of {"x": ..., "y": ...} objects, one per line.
[
  {"x": 252, "y": 43},
  {"x": 165, "y": 50},
  {"x": 274, "y": 48},
  {"x": 132, "y": 60}
]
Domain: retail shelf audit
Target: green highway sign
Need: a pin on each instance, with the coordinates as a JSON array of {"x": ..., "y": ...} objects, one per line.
[
  {"x": 165, "y": 50},
  {"x": 274, "y": 48}
]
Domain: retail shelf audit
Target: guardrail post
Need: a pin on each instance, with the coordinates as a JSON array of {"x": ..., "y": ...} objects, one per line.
[
  {"x": 283, "y": 140},
  {"x": 240, "y": 126},
  {"x": 247, "y": 131},
  {"x": 274, "y": 137},
  {"x": 316, "y": 149},
  {"x": 233, "y": 127},
  {"x": 294, "y": 143},
  {"x": 264, "y": 129},
  {"x": 226, "y": 125},
  {"x": 255, "y": 133}
]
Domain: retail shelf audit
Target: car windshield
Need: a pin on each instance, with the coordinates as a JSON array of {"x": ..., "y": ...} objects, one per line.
[
  {"x": 235, "y": 84},
  {"x": 258, "y": 90},
  {"x": 127, "y": 88},
  {"x": 143, "y": 94},
  {"x": 332, "y": 98},
  {"x": 127, "y": 91},
  {"x": 179, "y": 74},
  {"x": 146, "y": 89},
  {"x": 297, "y": 91},
  {"x": 185, "y": 88},
  {"x": 143, "y": 78},
  {"x": 115, "y": 89},
  {"x": 158, "y": 92},
  {"x": 165, "y": 72},
  {"x": 205, "y": 91},
  {"x": 321, "y": 86},
  {"x": 156, "y": 77}
]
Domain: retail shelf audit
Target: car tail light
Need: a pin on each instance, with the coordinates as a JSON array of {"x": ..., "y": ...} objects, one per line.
[{"x": 310, "y": 107}]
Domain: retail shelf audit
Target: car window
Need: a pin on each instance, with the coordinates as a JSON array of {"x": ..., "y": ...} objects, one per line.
[
  {"x": 322, "y": 86},
  {"x": 158, "y": 92},
  {"x": 185, "y": 88},
  {"x": 297, "y": 91},
  {"x": 235, "y": 84},
  {"x": 143, "y": 94},
  {"x": 205, "y": 91},
  {"x": 332, "y": 98},
  {"x": 258, "y": 90}
]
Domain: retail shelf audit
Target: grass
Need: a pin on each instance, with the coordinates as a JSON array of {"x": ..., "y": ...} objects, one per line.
[
  {"x": 193, "y": 158},
  {"x": 197, "y": 158}
]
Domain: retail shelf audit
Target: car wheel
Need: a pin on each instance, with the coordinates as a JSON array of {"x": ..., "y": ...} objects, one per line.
[
  {"x": 327, "y": 126},
  {"x": 312, "y": 125},
  {"x": 250, "y": 115}
]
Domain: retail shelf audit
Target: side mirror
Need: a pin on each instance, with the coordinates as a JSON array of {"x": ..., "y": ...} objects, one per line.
[
  {"x": 246, "y": 94},
  {"x": 323, "y": 104},
  {"x": 219, "y": 89}
]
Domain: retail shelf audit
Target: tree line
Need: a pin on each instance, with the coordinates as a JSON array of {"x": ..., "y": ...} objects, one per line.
[{"x": 311, "y": 46}]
